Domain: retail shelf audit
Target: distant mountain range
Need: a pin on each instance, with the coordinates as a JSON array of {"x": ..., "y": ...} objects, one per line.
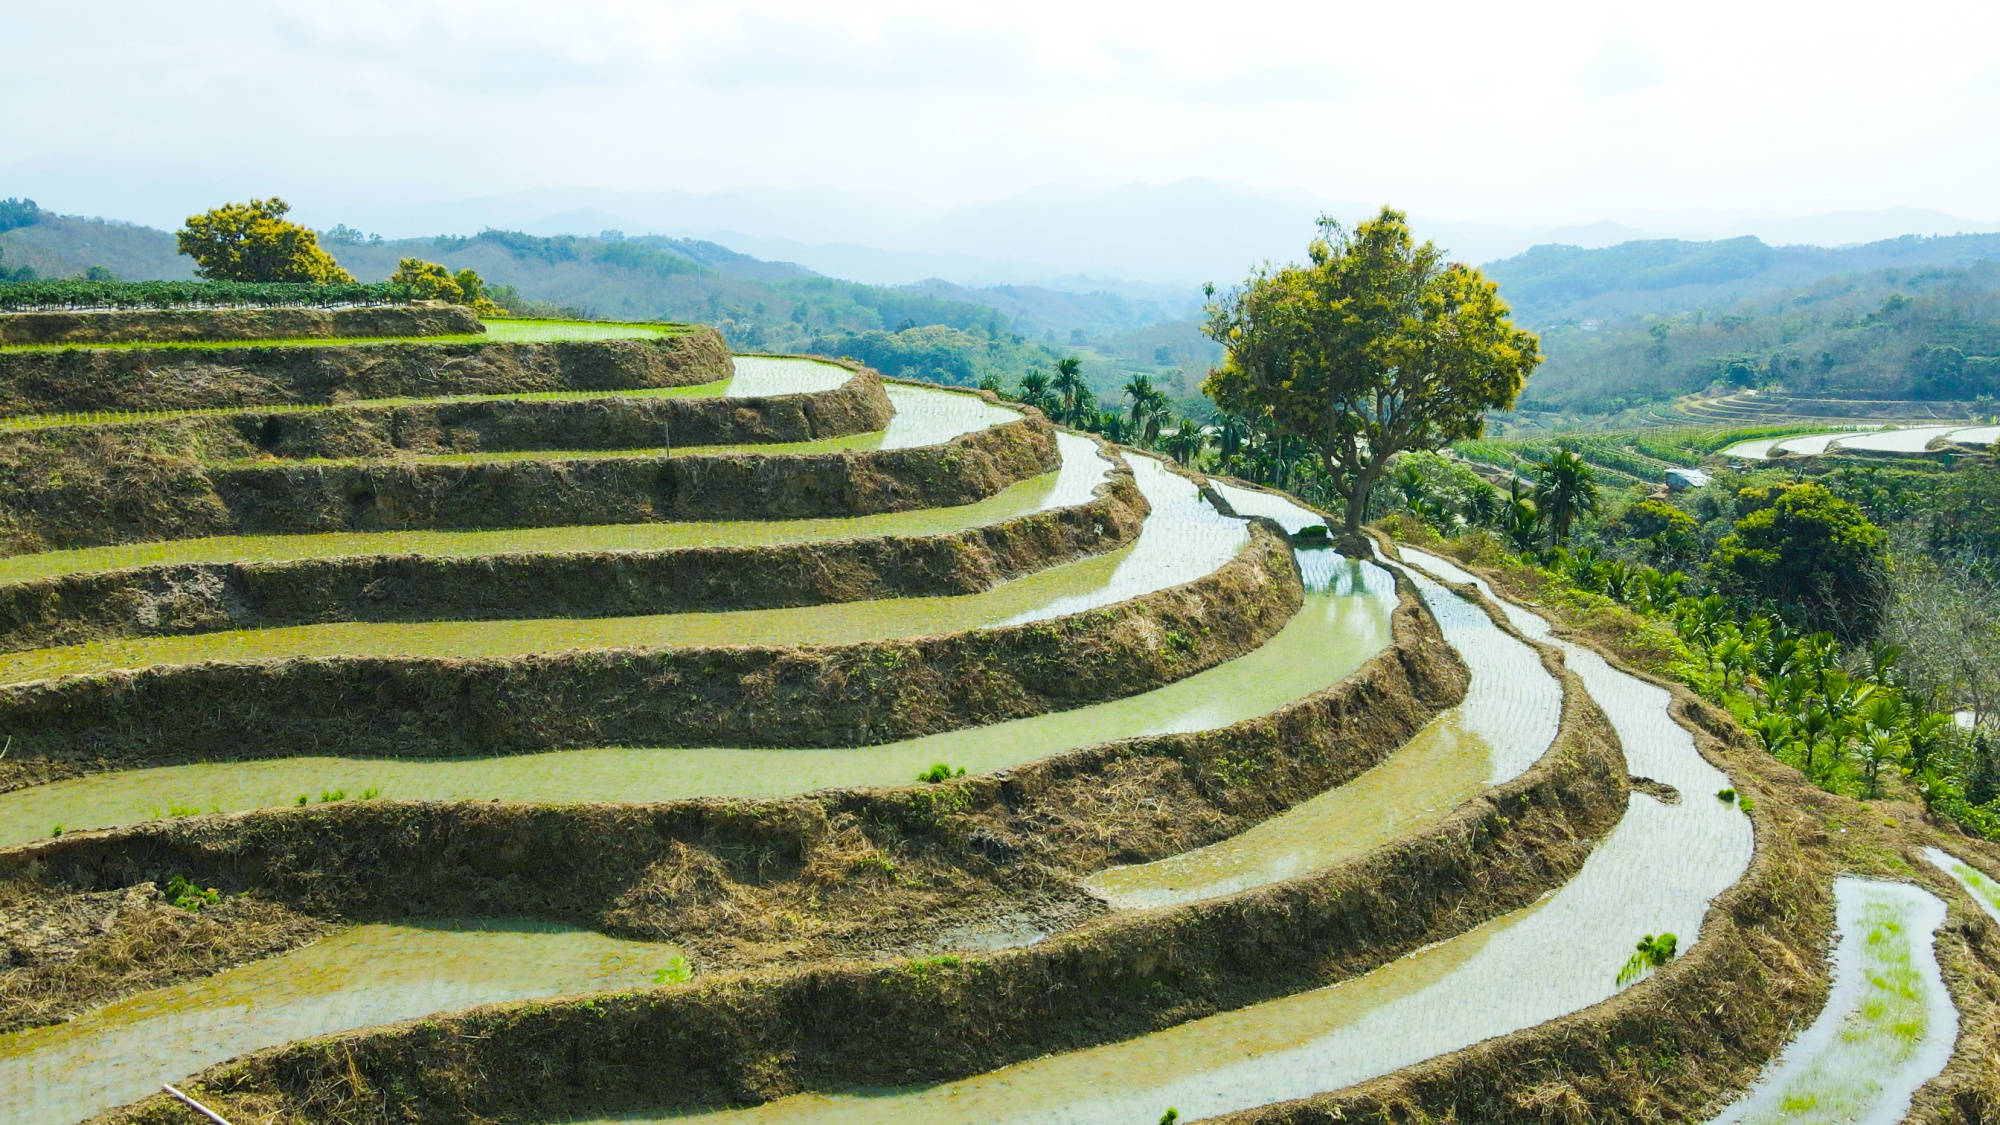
[{"x": 1073, "y": 237}]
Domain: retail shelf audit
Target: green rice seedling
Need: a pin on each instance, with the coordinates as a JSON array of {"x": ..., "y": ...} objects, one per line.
[
  {"x": 940, "y": 771},
  {"x": 678, "y": 971},
  {"x": 56, "y": 831},
  {"x": 370, "y": 793},
  {"x": 327, "y": 796},
  {"x": 1653, "y": 952},
  {"x": 302, "y": 799},
  {"x": 1726, "y": 796}
]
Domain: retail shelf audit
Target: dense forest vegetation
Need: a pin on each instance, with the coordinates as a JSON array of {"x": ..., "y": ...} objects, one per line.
[{"x": 1931, "y": 333}]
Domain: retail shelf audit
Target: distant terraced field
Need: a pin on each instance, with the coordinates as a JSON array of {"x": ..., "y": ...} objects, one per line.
[{"x": 654, "y": 734}]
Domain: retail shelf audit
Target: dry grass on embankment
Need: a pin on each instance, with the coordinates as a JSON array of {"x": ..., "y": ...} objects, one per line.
[
  {"x": 359, "y": 430},
  {"x": 748, "y": 1037},
  {"x": 1687, "y": 1040},
  {"x": 99, "y": 489},
  {"x": 64, "y": 952},
  {"x": 174, "y": 599},
  {"x": 424, "y": 318},
  {"x": 833, "y": 695},
  {"x": 74, "y": 380}
]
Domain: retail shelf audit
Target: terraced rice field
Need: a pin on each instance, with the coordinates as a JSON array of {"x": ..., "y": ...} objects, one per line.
[
  {"x": 1059, "y": 788},
  {"x": 1870, "y": 439}
]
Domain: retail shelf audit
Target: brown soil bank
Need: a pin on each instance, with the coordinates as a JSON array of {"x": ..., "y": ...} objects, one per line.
[
  {"x": 841, "y": 695},
  {"x": 211, "y": 597},
  {"x": 377, "y": 430},
  {"x": 722, "y": 877},
  {"x": 110, "y": 493},
  {"x": 196, "y": 325},
  {"x": 87, "y": 379},
  {"x": 746, "y": 1038}
]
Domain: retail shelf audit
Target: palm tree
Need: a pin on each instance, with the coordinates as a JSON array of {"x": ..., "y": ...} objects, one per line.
[
  {"x": 1567, "y": 489},
  {"x": 1186, "y": 443},
  {"x": 1149, "y": 409},
  {"x": 1035, "y": 391},
  {"x": 1076, "y": 397}
]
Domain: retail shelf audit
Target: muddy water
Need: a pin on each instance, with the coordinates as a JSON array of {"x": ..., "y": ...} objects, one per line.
[
  {"x": 1182, "y": 539},
  {"x": 360, "y": 977},
  {"x": 1888, "y": 1026},
  {"x": 1506, "y": 722},
  {"x": 1337, "y": 630},
  {"x": 1656, "y": 871},
  {"x": 1082, "y": 471}
]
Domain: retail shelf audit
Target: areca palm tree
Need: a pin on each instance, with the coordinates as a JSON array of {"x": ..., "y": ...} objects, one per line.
[
  {"x": 1149, "y": 409},
  {"x": 1035, "y": 392},
  {"x": 1186, "y": 443},
  {"x": 1068, "y": 383},
  {"x": 1567, "y": 489}
]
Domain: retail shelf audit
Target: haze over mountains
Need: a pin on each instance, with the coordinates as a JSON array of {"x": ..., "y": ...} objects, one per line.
[{"x": 1141, "y": 240}]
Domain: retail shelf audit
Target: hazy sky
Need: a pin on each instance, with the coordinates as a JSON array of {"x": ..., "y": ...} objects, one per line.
[{"x": 1488, "y": 111}]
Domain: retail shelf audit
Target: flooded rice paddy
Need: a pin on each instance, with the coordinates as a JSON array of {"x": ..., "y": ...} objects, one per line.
[
  {"x": 1888, "y": 1025},
  {"x": 497, "y": 332},
  {"x": 1082, "y": 470},
  {"x": 1656, "y": 871},
  {"x": 1506, "y": 722},
  {"x": 1338, "y": 629},
  {"x": 360, "y": 977},
  {"x": 1878, "y": 439},
  {"x": 1182, "y": 539}
]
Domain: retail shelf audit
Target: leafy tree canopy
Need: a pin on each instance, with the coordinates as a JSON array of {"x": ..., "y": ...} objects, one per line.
[
  {"x": 1374, "y": 347},
  {"x": 1813, "y": 554},
  {"x": 253, "y": 242},
  {"x": 428, "y": 281},
  {"x": 17, "y": 213}
]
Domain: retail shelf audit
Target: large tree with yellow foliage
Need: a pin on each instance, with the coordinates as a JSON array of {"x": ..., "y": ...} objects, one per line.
[
  {"x": 253, "y": 242},
  {"x": 1375, "y": 346}
]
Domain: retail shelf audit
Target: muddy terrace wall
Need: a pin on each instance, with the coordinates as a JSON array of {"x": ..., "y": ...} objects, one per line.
[
  {"x": 210, "y": 597},
  {"x": 370, "y": 430},
  {"x": 839, "y": 695},
  {"x": 752, "y": 1037},
  {"x": 195, "y": 325},
  {"x": 184, "y": 378},
  {"x": 108, "y": 493},
  {"x": 597, "y": 865}
]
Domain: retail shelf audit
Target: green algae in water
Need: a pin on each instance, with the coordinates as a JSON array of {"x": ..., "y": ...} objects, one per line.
[
  {"x": 1888, "y": 1026},
  {"x": 360, "y": 977}
]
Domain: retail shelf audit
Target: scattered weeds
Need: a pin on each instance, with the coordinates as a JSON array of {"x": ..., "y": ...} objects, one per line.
[
  {"x": 190, "y": 896},
  {"x": 678, "y": 971}
]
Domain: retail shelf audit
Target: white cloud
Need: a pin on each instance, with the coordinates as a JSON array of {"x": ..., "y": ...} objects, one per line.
[{"x": 1557, "y": 111}]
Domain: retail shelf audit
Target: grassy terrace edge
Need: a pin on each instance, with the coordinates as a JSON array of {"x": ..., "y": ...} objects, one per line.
[
  {"x": 858, "y": 694},
  {"x": 186, "y": 377},
  {"x": 174, "y": 326},
  {"x": 746, "y": 1038},
  {"x": 183, "y": 500},
  {"x": 208, "y": 597}
]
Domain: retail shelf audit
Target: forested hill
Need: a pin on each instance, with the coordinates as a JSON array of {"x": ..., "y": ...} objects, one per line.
[
  {"x": 931, "y": 329},
  {"x": 1552, "y": 285},
  {"x": 1905, "y": 333}
]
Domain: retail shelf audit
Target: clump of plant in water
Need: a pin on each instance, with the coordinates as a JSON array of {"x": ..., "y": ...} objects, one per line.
[
  {"x": 940, "y": 771},
  {"x": 1726, "y": 796},
  {"x": 190, "y": 896},
  {"x": 1653, "y": 951},
  {"x": 677, "y": 971}
]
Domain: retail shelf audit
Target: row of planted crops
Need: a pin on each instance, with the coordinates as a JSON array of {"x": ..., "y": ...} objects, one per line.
[{"x": 483, "y": 723}]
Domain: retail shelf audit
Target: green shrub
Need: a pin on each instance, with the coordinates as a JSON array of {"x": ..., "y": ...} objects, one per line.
[{"x": 189, "y": 896}]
